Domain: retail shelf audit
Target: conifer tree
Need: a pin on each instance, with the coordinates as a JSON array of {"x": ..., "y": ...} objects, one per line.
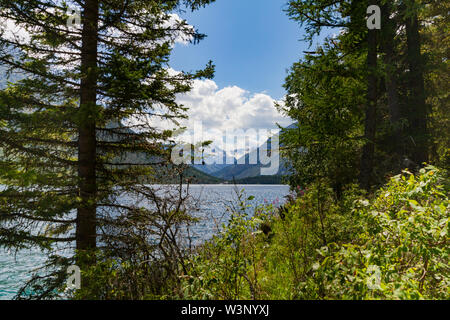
[
  {"x": 394, "y": 131},
  {"x": 76, "y": 132},
  {"x": 418, "y": 109}
]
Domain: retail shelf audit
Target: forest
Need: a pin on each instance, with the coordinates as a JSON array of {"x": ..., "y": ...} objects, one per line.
[{"x": 367, "y": 159}]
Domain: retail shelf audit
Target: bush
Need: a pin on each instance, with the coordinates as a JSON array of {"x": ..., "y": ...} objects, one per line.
[
  {"x": 394, "y": 246},
  {"x": 391, "y": 246},
  {"x": 311, "y": 221},
  {"x": 403, "y": 251},
  {"x": 227, "y": 266},
  {"x": 268, "y": 255}
]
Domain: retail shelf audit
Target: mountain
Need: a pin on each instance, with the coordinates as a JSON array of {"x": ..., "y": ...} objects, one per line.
[
  {"x": 242, "y": 172},
  {"x": 161, "y": 174},
  {"x": 211, "y": 169},
  {"x": 198, "y": 177}
]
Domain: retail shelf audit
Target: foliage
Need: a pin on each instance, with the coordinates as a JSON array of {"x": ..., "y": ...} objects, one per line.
[
  {"x": 405, "y": 239},
  {"x": 436, "y": 38},
  {"x": 77, "y": 129},
  {"x": 328, "y": 91},
  {"x": 225, "y": 267},
  {"x": 308, "y": 223},
  {"x": 125, "y": 279},
  {"x": 319, "y": 248},
  {"x": 268, "y": 255}
]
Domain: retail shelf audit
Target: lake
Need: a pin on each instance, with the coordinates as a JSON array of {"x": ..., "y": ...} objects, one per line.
[{"x": 213, "y": 200}]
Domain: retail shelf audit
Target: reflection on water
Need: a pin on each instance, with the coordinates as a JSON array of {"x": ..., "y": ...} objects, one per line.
[
  {"x": 211, "y": 202},
  {"x": 214, "y": 201}
]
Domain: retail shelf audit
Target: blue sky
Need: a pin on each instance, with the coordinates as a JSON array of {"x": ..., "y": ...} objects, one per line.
[{"x": 251, "y": 42}]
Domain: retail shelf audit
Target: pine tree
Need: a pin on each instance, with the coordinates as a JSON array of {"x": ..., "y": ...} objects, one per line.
[
  {"x": 418, "y": 109},
  {"x": 88, "y": 95},
  {"x": 336, "y": 69},
  {"x": 370, "y": 124},
  {"x": 393, "y": 134},
  {"x": 435, "y": 49}
]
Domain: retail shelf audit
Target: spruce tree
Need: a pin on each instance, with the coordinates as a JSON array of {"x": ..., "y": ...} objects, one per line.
[
  {"x": 417, "y": 97},
  {"x": 394, "y": 131},
  {"x": 83, "y": 108}
]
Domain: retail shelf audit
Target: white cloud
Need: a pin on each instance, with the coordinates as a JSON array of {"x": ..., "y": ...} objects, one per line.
[
  {"x": 218, "y": 109},
  {"x": 230, "y": 109},
  {"x": 9, "y": 30}
]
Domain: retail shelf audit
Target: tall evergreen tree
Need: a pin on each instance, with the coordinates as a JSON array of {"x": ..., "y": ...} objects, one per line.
[
  {"x": 436, "y": 43},
  {"x": 417, "y": 96},
  {"x": 393, "y": 134},
  {"x": 370, "y": 124},
  {"x": 340, "y": 62},
  {"x": 84, "y": 106}
]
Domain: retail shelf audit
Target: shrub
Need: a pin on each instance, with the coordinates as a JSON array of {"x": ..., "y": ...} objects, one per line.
[
  {"x": 226, "y": 267},
  {"x": 403, "y": 250}
]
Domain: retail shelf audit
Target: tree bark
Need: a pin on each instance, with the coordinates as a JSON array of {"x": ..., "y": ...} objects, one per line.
[
  {"x": 389, "y": 60},
  {"x": 418, "y": 112},
  {"x": 391, "y": 81},
  {"x": 366, "y": 167},
  {"x": 86, "y": 213}
]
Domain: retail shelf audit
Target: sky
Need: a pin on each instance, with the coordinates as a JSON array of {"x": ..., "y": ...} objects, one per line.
[{"x": 252, "y": 43}]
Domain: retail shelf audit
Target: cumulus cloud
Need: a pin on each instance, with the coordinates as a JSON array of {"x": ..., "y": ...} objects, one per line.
[
  {"x": 230, "y": 109},
  {"x": 9, "y": 30},
  {"x": 218, "y": 109}
]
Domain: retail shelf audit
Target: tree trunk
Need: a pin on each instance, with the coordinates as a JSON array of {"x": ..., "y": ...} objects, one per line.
[
  {"x": 368, "y": 151},
  {"x": 418, "y": 112},
  {"x": 389, "y": 60},
  {"x": 391, "y": 83},
  {"x": 86, "y": 215}
]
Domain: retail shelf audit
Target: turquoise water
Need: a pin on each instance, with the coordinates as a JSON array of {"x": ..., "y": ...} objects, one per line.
[
  {"x": 15, "y": 269},
  {"x": 215, "y": 199},
  {"x": 212, "y": 201}
]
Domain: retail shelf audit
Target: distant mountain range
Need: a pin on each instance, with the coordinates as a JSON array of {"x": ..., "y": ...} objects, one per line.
[
  {"x": 246, "y": 173},
  {"x": 5, "y": 77},
  {"x": 197, "y": 173},
  {"x": 241, "y": 172}
]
